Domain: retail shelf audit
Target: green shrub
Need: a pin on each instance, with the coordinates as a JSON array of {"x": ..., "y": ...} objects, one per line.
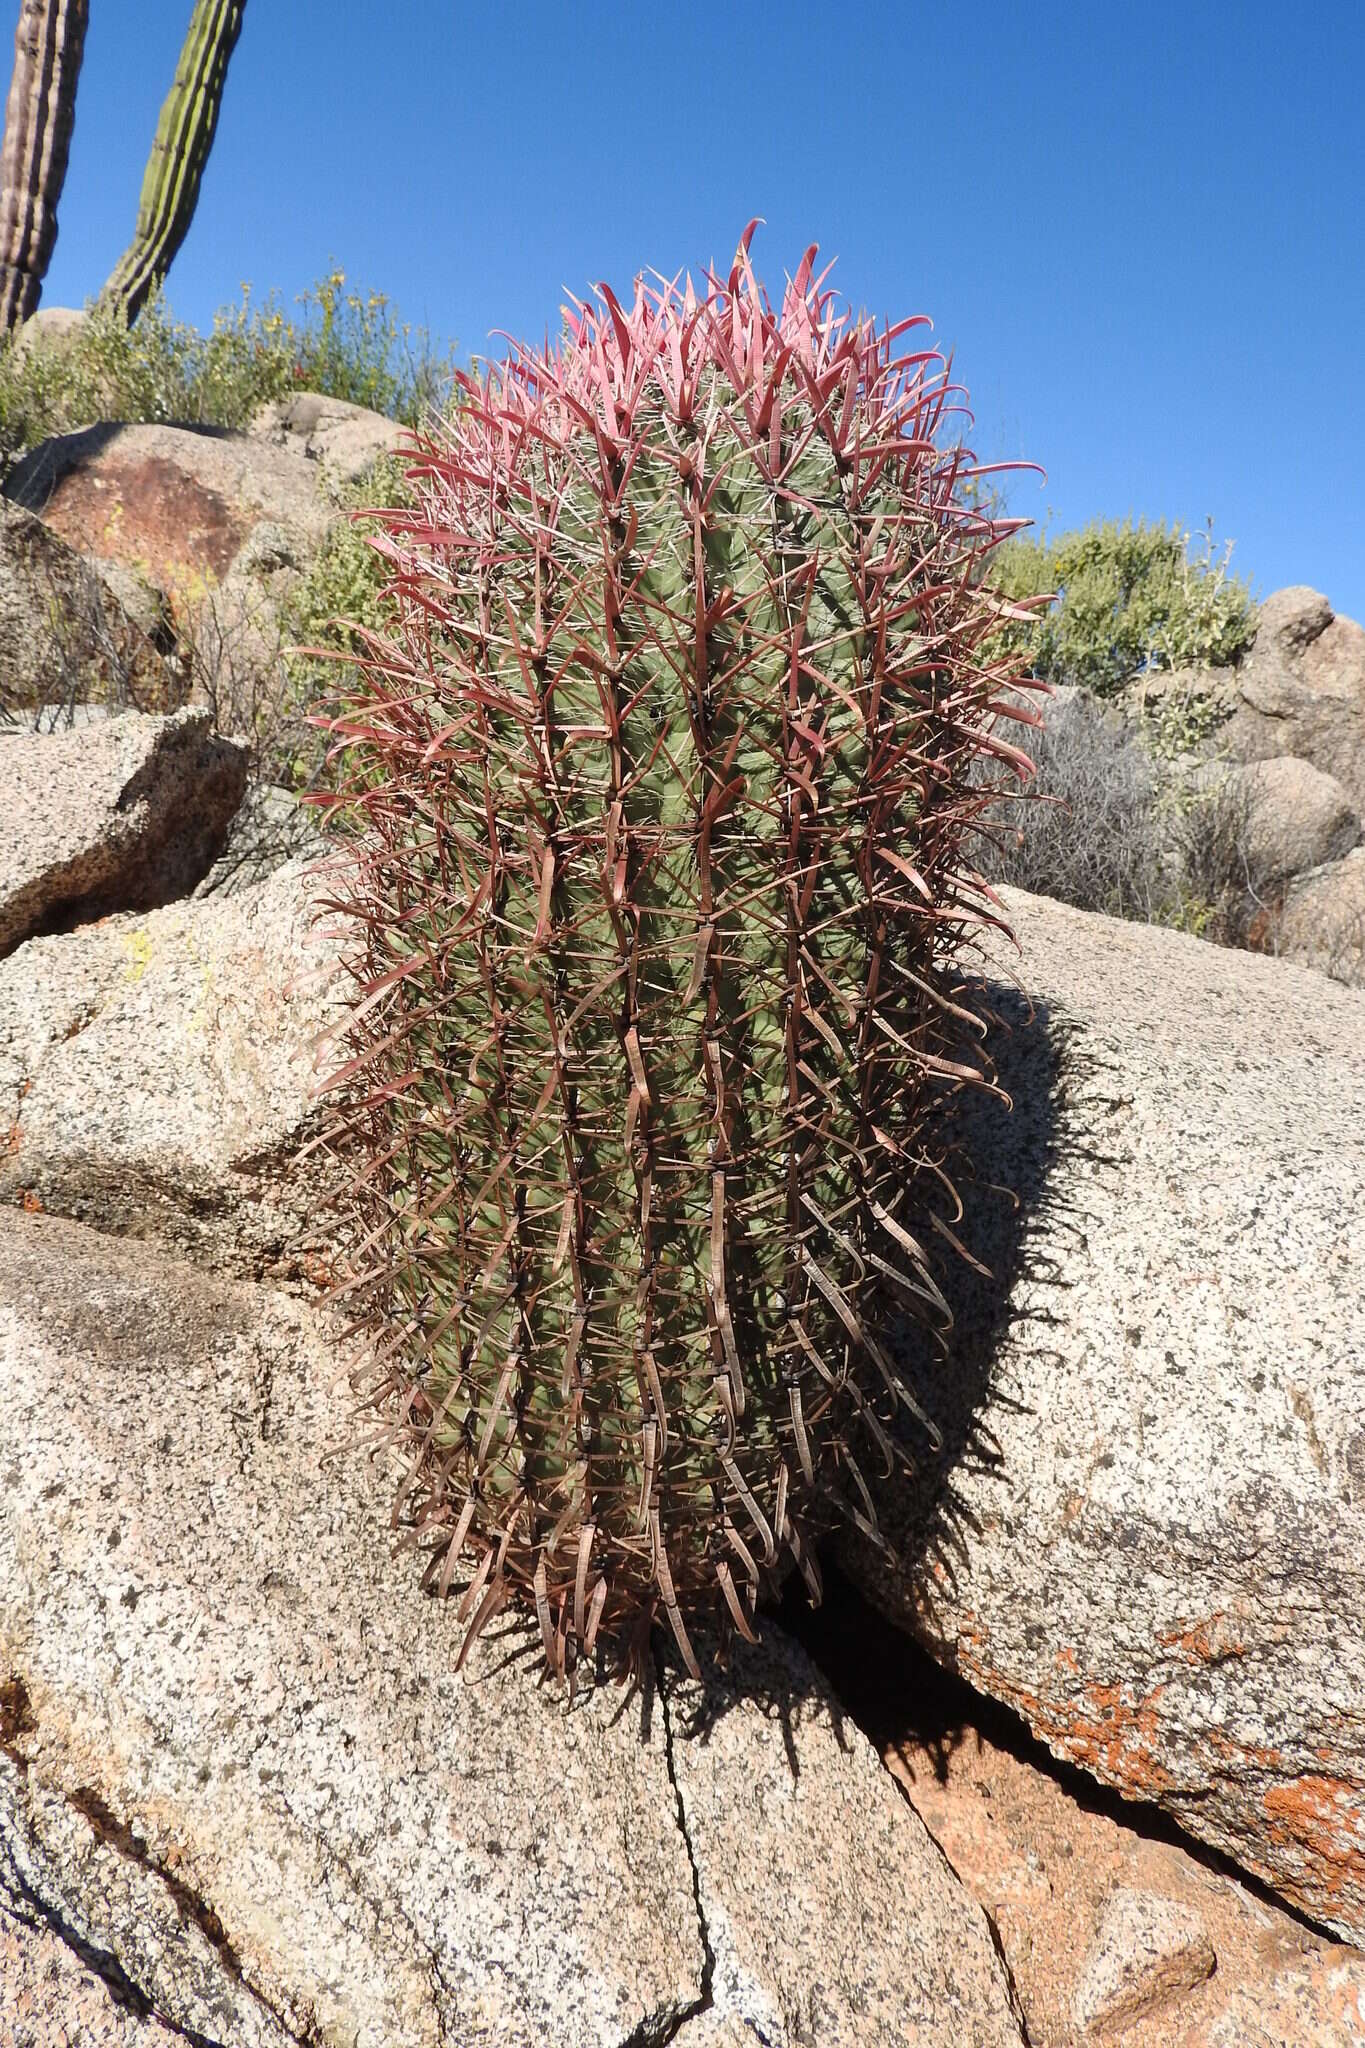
[
  {"x": 346, "y": 343},
  {"x": 1129, "y": 597},
  {"x": 341, "y": 590}
]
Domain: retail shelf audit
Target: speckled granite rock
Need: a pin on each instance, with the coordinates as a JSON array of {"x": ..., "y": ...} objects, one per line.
[
  {"x": 799, "y": 1839},
  {"x": 122, "y": 1940},
  {"x": 347, "y": 439},
  {"x": 1112, "y": 1931},
  {"x": 213, "y": 1667},
  {"x": 1150, "y": 1535},
  {"x": 51, "y": 1998},
  {"x": 1148, "y": 1950},
  {"x": 156, "y": 1075},
  {"x": 1322, "y": 920},
  {"x": 1299, "y": 818},
  {"x": 177, "y": 503},
  {"x": 121, "y": 815}
]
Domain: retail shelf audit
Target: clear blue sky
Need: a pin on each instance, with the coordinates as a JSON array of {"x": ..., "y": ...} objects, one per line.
[{"x": 1141, "y": 226}]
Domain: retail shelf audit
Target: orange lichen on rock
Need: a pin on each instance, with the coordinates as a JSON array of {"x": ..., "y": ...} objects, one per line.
[
  {"x": 1325, "y": 1817},
  {"x": 1095, "y": 1726},
  {"x": 1205, "y": 1642}
]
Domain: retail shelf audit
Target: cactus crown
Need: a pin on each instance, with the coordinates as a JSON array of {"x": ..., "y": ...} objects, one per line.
[{"x": 665, "y": 771}]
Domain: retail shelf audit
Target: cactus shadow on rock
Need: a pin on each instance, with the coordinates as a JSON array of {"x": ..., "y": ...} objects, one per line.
[{"x": 1012, "y": 1222}]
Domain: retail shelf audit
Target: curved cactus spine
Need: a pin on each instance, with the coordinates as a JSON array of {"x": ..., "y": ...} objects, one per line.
[
  {"x": 184, "y": 137},
  {"x": 39, "y": 116},
  {"x": 666, "y": 775}
]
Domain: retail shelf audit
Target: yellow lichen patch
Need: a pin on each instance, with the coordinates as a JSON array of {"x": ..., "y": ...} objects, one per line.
[{"x": 137, "y": 944}]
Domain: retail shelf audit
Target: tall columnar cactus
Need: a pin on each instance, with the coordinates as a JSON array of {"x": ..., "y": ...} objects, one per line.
[
  {"x": 665, "y": 775},
  {"x": 184, "y": 137},
  {"x": 39, "y": 116}
]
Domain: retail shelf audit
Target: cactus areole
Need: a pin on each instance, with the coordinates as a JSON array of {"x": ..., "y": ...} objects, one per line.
[{"x": 666, "y": 779}]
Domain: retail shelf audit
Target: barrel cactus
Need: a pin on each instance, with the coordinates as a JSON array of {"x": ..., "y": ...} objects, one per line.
[{"x": 667, "y": 770}]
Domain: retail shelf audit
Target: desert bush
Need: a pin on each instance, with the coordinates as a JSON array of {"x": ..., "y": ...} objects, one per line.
[
  {"x": 345, "y": 342},
  {"x": 1130, "y": 597},
  {"x": 1109, "y": 826},
  {"x": 340, "y": 596},
  {"x": 1088, "y": 830},
  {"x": 1224, "y": 893},
  {"x": 273, "y": 673}
]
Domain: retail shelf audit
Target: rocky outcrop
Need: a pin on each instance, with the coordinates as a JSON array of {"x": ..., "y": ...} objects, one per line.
[
  {"x": 1114, "y": 1931},
  {"x": 1147, "y": 1532},
  {"x": 196, "y": 536},
  {"x": 52, "y": 331},
  {"x": 245, "y": 1786},
  {"x": 178, "y": 504},
  {"x": 1298, "y": 817},
  {"x": 128, "y": 813},
  {"x": 65, "y": 633},
  {"x": 347, "y": 439},
  {"x": 157, "y": 1076},
  {"x": 1301, "y": 690},
  {"x": 1322, "y": 920}
]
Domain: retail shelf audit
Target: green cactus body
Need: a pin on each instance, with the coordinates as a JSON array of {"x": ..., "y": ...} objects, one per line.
[
  {"x": 40, "y": 114},
  {"x": 663, "y": 777},
  {"x": 180, "y": 150}
]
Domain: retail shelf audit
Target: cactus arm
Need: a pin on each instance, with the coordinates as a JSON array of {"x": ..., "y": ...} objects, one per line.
[
  {"x": 39, "y": 115},
  {"x": 184, "y": 137}
]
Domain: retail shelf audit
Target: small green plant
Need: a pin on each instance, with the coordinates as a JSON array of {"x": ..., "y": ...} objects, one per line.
[
  {"x": 345, "y": 343},
  {"x": 1174, "y": 724},
  {"x": 1129, "y": 597},
  {"x": 351, "y": 344},
  {"x": 341, "y": 597},
  {"x": 663, "y": 761}
]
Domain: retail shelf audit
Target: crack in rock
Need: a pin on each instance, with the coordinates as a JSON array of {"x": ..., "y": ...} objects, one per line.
[
  {"x": 40, "y": 1882},
  {"x": 23, "y": 1903},
  {"x": 657, "y": 2030}
]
